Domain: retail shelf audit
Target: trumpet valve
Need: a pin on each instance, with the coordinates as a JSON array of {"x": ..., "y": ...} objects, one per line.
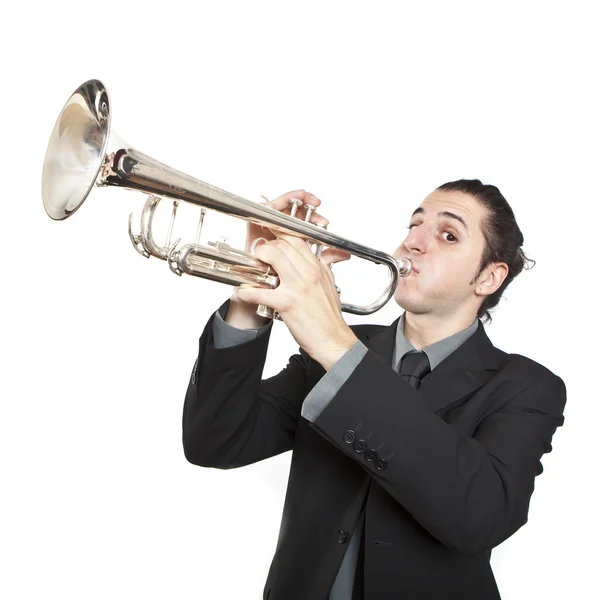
[
  {"x": 316, "y": 247},
  {"x": 296, "y": 204},
  {"x": 310, "y": 209}
]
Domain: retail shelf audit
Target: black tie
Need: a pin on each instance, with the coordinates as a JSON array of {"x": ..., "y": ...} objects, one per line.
[{"x": 414, "y": 367}]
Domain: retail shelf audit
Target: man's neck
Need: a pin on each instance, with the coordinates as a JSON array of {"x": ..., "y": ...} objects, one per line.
[{"x": 422, "y": 330}]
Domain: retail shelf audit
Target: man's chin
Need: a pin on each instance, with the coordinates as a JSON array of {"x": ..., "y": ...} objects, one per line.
[{"x": 411, "y": 305}]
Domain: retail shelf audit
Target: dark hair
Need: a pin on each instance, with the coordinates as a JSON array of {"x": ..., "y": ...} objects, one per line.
[{"x": 503, "y": 238}]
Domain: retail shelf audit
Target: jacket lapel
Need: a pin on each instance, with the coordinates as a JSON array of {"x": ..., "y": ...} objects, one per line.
[{"x": 464, "y": 371}]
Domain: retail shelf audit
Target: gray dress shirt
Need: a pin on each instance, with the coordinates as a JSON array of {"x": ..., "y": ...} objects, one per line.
[{"x": 225, "y": 335}]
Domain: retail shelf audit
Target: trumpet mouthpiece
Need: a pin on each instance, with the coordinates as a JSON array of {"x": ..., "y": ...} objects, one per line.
[{"x": 404, "y": 266}]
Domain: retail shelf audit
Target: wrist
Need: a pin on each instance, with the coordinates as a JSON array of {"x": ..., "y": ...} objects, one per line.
[
  {"x": 334, "y": 352},
  {"x": 243, "y": 315}
]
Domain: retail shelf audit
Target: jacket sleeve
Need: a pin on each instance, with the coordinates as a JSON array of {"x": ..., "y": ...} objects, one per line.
[
  {"x": 471, "y": 493},
  {"x": 230, "y": 417}
]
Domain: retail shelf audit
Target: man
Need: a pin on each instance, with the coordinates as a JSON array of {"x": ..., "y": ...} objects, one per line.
[{"x": 416, "y": 445}]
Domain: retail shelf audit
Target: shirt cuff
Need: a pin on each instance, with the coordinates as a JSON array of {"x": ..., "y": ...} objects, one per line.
[
  {"x": 329, "y": 385},
  {"x": 226, "y": 335}
]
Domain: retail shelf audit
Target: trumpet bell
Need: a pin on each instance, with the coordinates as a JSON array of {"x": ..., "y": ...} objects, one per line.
[{"x": 76, "y": 150}]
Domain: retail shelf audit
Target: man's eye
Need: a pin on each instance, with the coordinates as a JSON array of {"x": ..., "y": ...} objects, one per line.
[
  {"x": 455, "y": 239},
  {"x": 452, "y": 236}
]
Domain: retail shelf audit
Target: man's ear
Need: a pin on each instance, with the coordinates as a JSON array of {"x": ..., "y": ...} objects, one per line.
[{"x": 491, "y": 279}]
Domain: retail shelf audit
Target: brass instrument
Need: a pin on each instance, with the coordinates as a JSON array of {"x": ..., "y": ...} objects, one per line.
[{"x": 83, "y": 153}]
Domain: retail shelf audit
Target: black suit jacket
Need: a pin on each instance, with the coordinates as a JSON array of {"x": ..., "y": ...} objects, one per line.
[{"x": 446, "y": 472}]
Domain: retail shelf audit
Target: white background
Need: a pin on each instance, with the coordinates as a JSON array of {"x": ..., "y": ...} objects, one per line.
[{"x": 368, "y": 105}]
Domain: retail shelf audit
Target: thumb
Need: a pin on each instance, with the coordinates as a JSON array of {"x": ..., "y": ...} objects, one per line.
[
  {"x": 334, "y": 255},
  {"x": 248, "y": 293}
]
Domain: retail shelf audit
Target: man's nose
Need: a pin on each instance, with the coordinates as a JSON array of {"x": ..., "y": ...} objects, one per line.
[{"x": 417, "y": 240}]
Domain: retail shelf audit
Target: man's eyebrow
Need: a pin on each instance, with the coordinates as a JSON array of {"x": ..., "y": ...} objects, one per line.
[{"x": 444, "y": 213}]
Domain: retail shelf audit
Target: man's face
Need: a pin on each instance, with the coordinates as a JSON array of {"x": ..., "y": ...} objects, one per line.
[{"x": 446, "y": 253}]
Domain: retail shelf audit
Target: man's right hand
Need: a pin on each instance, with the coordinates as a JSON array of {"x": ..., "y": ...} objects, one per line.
[{"x": 241, "y": 314}]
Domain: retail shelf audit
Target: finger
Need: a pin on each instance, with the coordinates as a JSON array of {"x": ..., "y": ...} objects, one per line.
[
  {"x": 301, "y": 216},
  {"x": 305, "y": 261},
  {"x": 328, "y": 256},
  {"x": 315, "y": 217},
  {"x": 283, "y": 201},
  {"x": 328, "y": 263},
  {"x": 334, "y": 255},
  {"x": 297, "y": 249},
  {"x": 256, "y": 295},
  {"x": 287, "y": 264},
  {"x": 283, "y": 204}
]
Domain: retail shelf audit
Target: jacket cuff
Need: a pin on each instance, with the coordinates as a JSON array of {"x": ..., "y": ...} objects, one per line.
[
  {"x": 329, "y": 385},
  {"x": 226, "y": 335}
]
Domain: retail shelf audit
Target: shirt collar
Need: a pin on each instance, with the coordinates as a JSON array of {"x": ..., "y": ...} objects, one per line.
[{"x": 435, "y": 352}]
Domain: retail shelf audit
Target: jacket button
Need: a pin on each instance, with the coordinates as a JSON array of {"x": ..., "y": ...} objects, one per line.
[
  {"x": 359, "y": 446},
  {"x": 381, "y": 464},
  {"x": 371, "y": 455},
  {"x": 349, "y": 436},
  {"x": 342, "y": 536}
]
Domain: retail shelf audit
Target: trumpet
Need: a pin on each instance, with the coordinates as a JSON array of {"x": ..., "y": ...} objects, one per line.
[{"x": 84, "y": 153}]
